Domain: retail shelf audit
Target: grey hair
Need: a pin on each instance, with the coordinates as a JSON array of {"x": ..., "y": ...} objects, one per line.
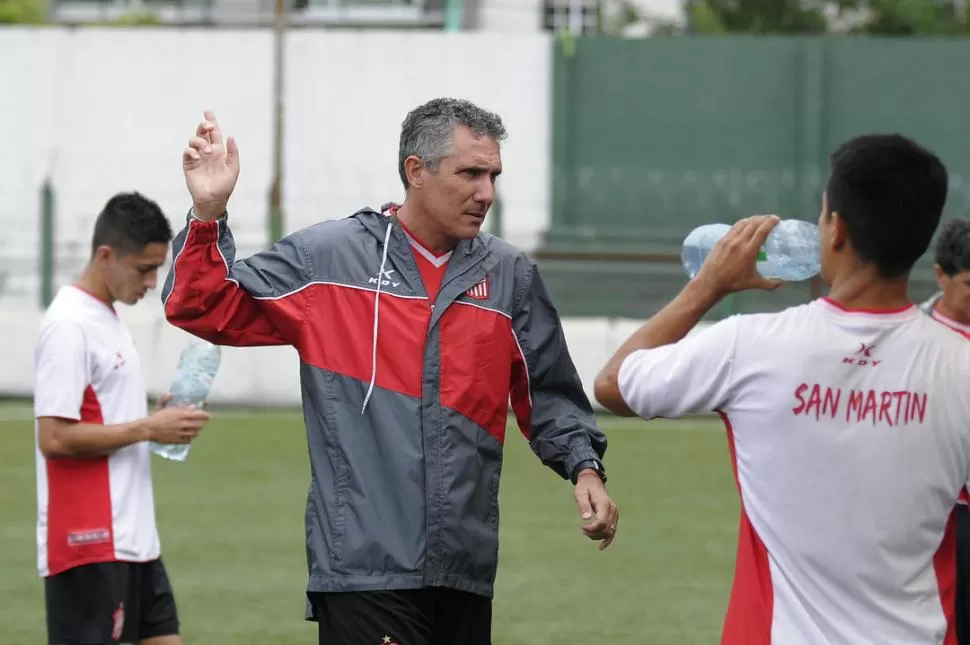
[{"x": 427, "y": 130}]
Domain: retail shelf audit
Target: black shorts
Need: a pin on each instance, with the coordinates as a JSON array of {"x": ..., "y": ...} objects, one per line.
[
  {"x": 431, "y": 616},
  {"x": 110, "y": 602}
]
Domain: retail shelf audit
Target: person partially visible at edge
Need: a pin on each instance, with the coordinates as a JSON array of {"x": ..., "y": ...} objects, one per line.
[
  {"x": 951, "y": 307},
  {"x": 848, "y": 417},
  {"x": 414, "y": 331},
  {"x": 98, "y": 549},
  {"x": 951, "y": 304}
]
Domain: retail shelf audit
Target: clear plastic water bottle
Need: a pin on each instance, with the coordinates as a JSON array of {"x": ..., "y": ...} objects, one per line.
[
  {"x": 196, "y": 371},
  {"x": 790, "y": 253}
]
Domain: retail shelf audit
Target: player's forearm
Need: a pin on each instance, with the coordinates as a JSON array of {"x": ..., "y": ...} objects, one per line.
[
  {"x": 669, "y": 325},
  {"x": 85, "y": 440}
]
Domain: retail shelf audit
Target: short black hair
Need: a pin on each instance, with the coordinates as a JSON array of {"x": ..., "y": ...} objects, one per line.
[
  {"x": 128, "y": 223},
  {"x": 890, "y": 191},
  {"x": 953, "y": 247}
]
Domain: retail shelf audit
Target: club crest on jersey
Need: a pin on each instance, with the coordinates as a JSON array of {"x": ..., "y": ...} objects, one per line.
[{"x": 479, "y": 291}]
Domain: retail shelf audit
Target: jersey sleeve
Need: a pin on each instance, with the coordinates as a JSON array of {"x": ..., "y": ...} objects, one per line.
[
  {"x": 691, "y": 376},
  {"x": 60, "y": 371}
]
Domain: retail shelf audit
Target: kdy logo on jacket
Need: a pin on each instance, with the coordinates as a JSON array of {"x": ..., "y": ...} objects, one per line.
[
  {"x": 480, "y": 290},
  {"x": 387, "y": 281}
]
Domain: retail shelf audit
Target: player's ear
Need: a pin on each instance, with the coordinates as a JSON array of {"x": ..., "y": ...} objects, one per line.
[
  {"x": 840, "y": 233},
  {"x": 102, "y": 254}
]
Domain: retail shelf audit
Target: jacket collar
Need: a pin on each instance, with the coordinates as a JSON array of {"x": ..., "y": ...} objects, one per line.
[{"x": 376, "y": 224}]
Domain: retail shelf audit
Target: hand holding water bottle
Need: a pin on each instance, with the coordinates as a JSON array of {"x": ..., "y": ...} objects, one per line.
[
  {"x": 196, "y": 371},
  {"x": 174, "y": 425},
  {"x": 732, "y": 264},
  {"x": 790, "y": 252}
]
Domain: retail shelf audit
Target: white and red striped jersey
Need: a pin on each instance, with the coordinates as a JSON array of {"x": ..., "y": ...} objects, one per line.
[
  {"x": 850, "y": 437},
  {"x": 964, "y": 330},
  {"x": 100, "y": 509}
]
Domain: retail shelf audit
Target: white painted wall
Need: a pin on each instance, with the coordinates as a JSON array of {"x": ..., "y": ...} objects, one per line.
[
  {"x": 108, "y": 110},
  {"x": 511, "y": 16}
]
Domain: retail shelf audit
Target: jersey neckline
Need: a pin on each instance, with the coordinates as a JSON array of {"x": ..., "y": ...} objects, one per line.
[
  {"x": 949, "y": 322},
  {"x": 897, "y": 313},
  {"x": 94, "y": 297}
]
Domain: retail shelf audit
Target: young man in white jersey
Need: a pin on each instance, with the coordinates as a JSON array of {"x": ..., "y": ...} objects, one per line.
[
  {"x": 847, "y": 417},
  {"x": 98, "y": 548},
  {"x": 951, "y": 307}
]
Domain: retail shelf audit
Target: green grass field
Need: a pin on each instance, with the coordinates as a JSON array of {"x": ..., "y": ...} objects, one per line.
[{"x": 231, "y": 523}]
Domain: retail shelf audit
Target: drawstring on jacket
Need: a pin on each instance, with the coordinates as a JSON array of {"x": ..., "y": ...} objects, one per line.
[{"x": 377, "y": 299}]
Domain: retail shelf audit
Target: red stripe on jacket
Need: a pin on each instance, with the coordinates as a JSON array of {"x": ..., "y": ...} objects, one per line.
[
  {"x": 331, "y": 325},
  {"x": 206, "y": 303}
]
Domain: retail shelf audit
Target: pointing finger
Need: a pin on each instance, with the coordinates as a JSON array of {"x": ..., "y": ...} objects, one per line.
[{"x": 215, "y": 134}]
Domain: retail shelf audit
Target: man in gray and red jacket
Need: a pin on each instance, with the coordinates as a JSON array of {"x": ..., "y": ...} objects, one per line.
[{"x": 415, "y": 331}]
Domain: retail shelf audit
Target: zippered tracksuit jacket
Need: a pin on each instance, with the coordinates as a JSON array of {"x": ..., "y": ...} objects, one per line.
[{"x": 405, "y": 400}]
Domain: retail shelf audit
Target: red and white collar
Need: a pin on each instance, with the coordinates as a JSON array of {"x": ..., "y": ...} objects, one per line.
[{"x": 949, "y": 322}]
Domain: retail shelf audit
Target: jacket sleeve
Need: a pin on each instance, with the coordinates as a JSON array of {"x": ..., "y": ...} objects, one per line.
[
  {"x": 257, "y": 301},
  {"x": 547, "y": 396}
]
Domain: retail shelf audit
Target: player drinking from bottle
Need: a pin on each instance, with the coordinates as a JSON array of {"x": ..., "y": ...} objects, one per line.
[{"x": 848, "y": 417}]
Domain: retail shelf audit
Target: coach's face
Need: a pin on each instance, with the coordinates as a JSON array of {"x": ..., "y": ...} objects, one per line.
[
  {"x": 457, "y": 195},
  {"x": 130, "y": 276}
]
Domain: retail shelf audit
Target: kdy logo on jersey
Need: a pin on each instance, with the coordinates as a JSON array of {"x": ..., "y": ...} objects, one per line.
[
  {"x": 863, "y": 357},
  {"x": 479, "y": 291}
]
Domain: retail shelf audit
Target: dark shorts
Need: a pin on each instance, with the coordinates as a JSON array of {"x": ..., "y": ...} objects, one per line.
[
  {"x": 110, "y": 602},
  {"x": 432, "y": 616}
]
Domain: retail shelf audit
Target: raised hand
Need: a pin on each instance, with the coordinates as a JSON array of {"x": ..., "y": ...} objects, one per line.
[
  {"x": 211, "y": 169},
  {"x": 732, "y": 264}
]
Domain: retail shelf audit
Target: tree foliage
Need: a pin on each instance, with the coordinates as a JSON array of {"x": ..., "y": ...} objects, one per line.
[
  {"x": 913, "y": 17},
  {"x": 23, "y": 12},
  {"x": 760, "y": 16},
  {"x": 884, "y": 17}
]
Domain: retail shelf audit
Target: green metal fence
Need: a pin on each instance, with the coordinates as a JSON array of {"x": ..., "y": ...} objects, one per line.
[{"x": 652, "y": 137}]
